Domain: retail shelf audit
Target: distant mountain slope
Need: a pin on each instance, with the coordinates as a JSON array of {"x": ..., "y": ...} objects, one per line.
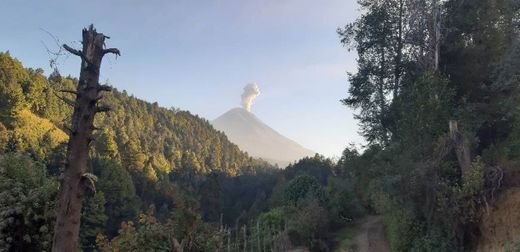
[
  {"x": 183, "y": 140},
  {"x": 144, "y": 136},
  {"x": 258, "y": 139}
]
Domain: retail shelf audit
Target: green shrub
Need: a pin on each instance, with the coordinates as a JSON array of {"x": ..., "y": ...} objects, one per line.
[
  {"x": 27, "y": 203},
  {"x": 301, "y": 187}
]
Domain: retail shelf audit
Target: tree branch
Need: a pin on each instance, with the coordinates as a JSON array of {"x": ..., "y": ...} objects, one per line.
[
  {"x": 104, "y": 88},
  {"x": 69, "y": 130},
  {"x": 112, "y": 50},
  {"x": 99, "y": 97},
  {"x": 89, "y": 181},
  {"x": 69, "y": 91},
  {"x": 66, "y": 100},
  {"x": 102, "y": 108},
  {"x": 95, "y": 128},
  {"x": 73, "y": 51}
]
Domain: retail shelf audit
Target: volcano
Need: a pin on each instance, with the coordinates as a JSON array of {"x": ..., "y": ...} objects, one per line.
[{"x": 254, "y": 136}]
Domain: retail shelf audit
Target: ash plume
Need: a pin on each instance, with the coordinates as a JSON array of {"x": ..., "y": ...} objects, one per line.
[{"x": 251, "y": 91}]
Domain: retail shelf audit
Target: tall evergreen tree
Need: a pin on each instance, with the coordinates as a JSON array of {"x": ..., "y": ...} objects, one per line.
[
  {"x": 378, "y": 38},
  {"x": 93, "y": 220}
]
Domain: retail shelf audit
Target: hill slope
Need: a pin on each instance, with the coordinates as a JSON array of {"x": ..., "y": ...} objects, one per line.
[
  {"x": 500, "y": 226},
  {"x": 258, "y": 139},
  {"x": 145, "y": 136}
]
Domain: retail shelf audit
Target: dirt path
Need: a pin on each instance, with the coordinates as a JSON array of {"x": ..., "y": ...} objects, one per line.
[{"x": 370, "y": 236}]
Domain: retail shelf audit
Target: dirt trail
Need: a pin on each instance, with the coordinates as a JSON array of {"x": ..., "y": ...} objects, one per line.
[{"x": 371, "y": 236}]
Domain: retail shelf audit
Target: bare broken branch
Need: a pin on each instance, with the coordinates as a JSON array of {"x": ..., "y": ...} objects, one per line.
[
  {"x": 53, "y": 54},
  {"x": 69, "y": 91},
  {"x": 90, "y": 180},
  {"x": 99, "y": 97},
  {"x": 104, "y": 88},
  {"x": 112, "y": 50},
  {"x": 73, "y": 51},
  {"x": 102, "y": 109},
  {"x": 66, "y": 100},
  {"x": 68, "y": 130}
]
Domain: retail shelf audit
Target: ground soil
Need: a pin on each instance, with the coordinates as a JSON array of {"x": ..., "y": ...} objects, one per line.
[{"x": 500, "y": 226}]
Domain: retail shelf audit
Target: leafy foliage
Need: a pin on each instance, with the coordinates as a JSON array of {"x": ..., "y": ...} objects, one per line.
[
  {"x": 301, "y": 188},
  {"x": 93, "y": 220},
  {"x": 27, "y": 201},
  {"x": 411, "y": 171}
]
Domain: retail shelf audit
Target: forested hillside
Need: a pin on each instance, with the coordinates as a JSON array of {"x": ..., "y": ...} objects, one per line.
[
  {"x": 141, "y": 154},
  {"x": 160, "y": 140}
]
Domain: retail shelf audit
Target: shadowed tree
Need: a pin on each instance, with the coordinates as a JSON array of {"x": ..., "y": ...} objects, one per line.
[{"x": 75, "y": 178}]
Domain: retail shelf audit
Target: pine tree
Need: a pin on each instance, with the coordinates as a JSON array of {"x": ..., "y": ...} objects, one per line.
[
  {"x": 93, "y": 220},
  {"x": 119, "y": 191},
  {"x": 4, "y": 137},
  {"x": 106, "y": 145},
  {"x": 12, "y": 98},
  {"x": 133, "y": 158}
]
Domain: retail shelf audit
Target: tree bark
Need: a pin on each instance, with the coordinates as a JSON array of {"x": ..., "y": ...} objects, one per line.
[
  {"x": 75, "y": 177},
  {"x": 399, "y": 56},
  {"x": 437, "y": 33},
  {"x": 462, "y": 149}
]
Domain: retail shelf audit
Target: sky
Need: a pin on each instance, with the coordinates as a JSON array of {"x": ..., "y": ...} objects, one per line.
[{"x": 199, "y": 55}]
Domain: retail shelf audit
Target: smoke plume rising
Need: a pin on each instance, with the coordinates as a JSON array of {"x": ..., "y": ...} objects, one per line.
[{"x": 251, "y": 91}]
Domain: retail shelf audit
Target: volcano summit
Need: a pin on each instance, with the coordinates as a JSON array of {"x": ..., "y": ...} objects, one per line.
[{"x": 252, "y": 135}]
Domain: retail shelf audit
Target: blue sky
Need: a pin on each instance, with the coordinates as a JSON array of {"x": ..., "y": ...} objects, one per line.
[{"x": 198, "y": 56}]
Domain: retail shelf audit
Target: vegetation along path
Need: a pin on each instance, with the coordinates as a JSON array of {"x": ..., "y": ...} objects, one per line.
[{"x": 370, "y": 236}]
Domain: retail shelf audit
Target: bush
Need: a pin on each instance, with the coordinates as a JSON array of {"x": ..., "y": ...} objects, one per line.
[
  {"x": 151, "y": 235},
  {"x": 301, "y": 187},
  {"x": 27, "y": 202},
  {"x": 275, "y": 218},
  {"x": 309, "y": 225},
  {"x": 399, "y": 222},
  {"x": 343, "y": 206}
]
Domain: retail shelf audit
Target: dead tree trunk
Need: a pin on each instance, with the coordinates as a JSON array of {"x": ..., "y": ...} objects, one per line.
[
  {"x": 76, "y": 179},
  {"x": 437, "y": 15},
  {"x": 462, "y": 148}
]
